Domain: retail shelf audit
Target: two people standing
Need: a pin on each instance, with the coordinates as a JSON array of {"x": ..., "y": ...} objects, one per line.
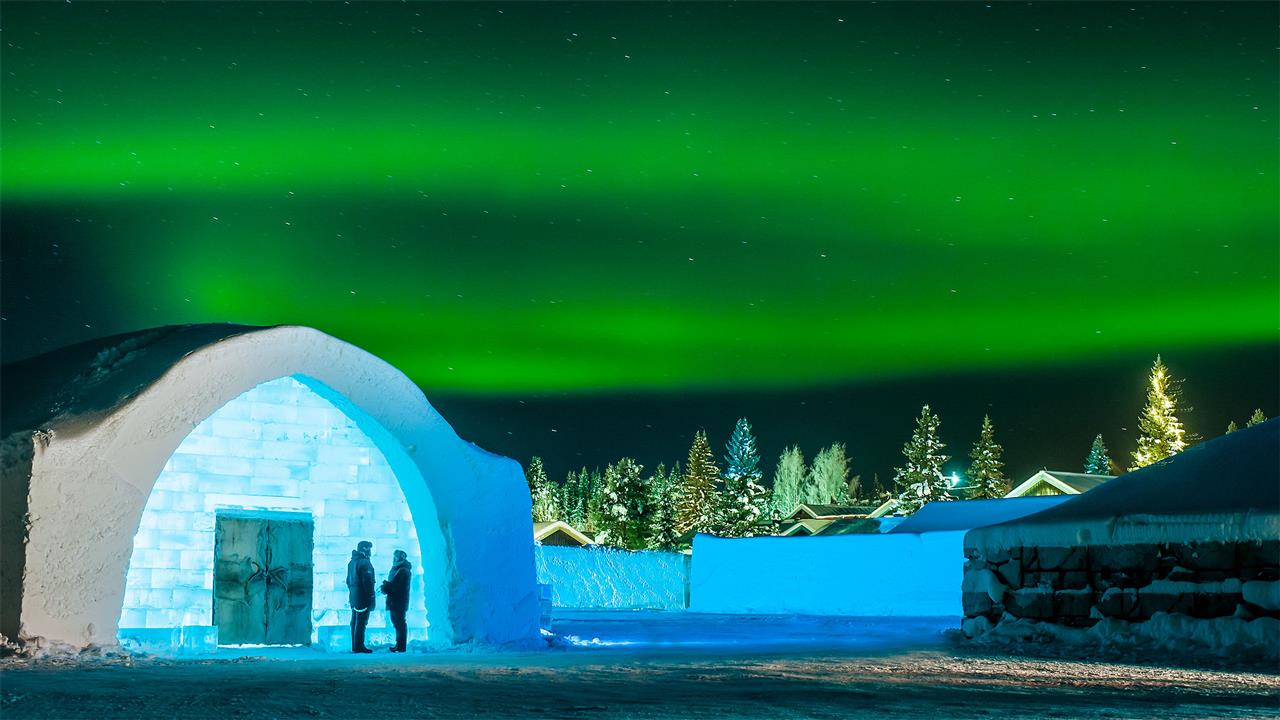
[{"x": 360, "y": 576}]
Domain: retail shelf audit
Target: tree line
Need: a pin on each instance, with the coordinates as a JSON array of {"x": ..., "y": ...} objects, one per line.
[{"x": 625, "y": 507}]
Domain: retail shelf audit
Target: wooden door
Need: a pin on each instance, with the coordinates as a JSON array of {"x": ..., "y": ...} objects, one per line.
[
  {"x": 288, "y": 603},
  {"x": 262, "y": 579}
]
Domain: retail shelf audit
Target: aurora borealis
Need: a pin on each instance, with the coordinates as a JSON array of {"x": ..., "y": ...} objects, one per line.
[{"x": 508, "y": 200}]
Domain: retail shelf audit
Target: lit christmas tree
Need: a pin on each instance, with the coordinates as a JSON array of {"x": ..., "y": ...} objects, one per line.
[
  {"x": 788, "y": 481},
  {"x": 985, "y": 474},
  {"x": 921, "y": 480},
  {"x": 1256, "y": 418},
  {"x": 622, "y": 507},
  {"x": 697, "y": 508},
  {"x": 664, "y": 494},
  {"x": 1232, "y": 427},
  {"x": 546, "y": 502},
  {"x": 745, "y": 500},
  {"x": 1162, "y": 432},
  {"x": 1098, "y": 462}
]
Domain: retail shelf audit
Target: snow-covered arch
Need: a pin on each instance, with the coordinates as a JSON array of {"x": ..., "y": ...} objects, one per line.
[{"x": 95, "y": 445}]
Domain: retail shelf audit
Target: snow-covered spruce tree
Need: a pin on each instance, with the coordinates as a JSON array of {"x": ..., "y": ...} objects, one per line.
[
  {"x": 744, "y": 501},
  {"x": 788, "y": 481},
  {"x": 1098, "y": 462},
  {"x": 985, "y": 474},
  {"x": 546, "y": 503},
  {"x": 1255, "y": 418},
  {"x": 828, "y": 477},
  {"x": 569, "y": 500},
  {"x": 664, "y": 489},
  {"x": 622, "y": 506},
  {"x": 1162, "y": 432},
  {"x": 593, "y": 490},
  {"x": 697, "y": 508},
  {"x": 921, "y": 480}
]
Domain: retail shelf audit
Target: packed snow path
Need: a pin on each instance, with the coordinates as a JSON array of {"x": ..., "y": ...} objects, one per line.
[{"x": 647, "y": 665}]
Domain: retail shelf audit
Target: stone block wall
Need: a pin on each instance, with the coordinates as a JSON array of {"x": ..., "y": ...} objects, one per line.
[{"x": 1078, "y": 586}]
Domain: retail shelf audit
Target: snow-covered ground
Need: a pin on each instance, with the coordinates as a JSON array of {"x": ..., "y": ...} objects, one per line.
[{"x": 649, "y": 665}]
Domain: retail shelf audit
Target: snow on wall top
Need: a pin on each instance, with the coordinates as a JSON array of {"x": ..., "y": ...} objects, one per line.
[
  {"x": 969, "y": 514},
  {"x": 1226, "y": 489},
  {"x": 97, "y": 376}
]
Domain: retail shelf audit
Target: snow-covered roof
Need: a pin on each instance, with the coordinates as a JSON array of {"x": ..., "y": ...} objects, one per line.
[
  {"x": 1070, "y": 483},
  {"x": 968, "y": 514},
  {"x": 1227, "y": 489},
  {"x": 544, "y": 530},
  {"x": 97, "y": 376},
  {"x": 813, "y": 510},
  {"x": 849, "y": 526}
]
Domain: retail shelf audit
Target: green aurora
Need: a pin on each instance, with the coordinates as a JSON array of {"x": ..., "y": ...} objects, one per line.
[{"x": 506, "y": 198}]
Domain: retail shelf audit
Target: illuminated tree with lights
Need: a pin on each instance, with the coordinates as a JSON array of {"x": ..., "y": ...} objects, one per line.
[
  {"x": 546, "y": 502},
  {"x": 744, "y": 500},
  {"x": 664, "y": 496},
  {"x": 828, "y": 476},
  {"x": 1256, "y": 418},
  {"x": 788, "y": 481},
  {"x": 985, "y": 474},
  {"x": 697, "y": 505},
  {"x": 1162, "y": 432},
  {"x": 1098, "y": 462},
  {"x": 623, "y": 505},
  {"x": 921, "y": 480}
]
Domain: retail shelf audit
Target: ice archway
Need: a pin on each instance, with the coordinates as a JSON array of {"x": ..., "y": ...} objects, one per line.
[{"x": 97, "y": 449}]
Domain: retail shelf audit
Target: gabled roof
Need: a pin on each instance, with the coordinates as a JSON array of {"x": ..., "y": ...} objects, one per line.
[
  {"x": 796, "y": 530},
  {"x": 850, "y": 526},
  {"x": 1068, "y": 483},
  {"x": 885, "y": 508},
  {"x": 816, "y": 511},
  {"x": 542, "y": 530},
  {"x": 941, "y": 516}
]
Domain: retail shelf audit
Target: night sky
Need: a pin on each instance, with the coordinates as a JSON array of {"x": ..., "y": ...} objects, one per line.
[{"x": 589, "y": 230}]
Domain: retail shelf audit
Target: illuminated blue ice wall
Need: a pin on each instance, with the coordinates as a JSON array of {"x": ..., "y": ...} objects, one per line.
[{"x": 279, "y": 446}]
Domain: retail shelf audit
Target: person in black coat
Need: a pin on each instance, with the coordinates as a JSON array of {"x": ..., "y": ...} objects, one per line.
[
  {"x": 360, "y": 589},
  {"x": 396, "y": 588}
]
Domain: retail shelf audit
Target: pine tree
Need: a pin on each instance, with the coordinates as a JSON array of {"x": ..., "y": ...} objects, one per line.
[
  {"x": 788, "y": 481},
  {"x": 546, "y": 503},
  {"x": 1098, "y": 462},
  {"x": 1232, "y": 427},
  {"x": 1162, "y": 432},
  {"x": 697, "y": 508},
  {"x": 921, "y": 480},
  {"x": 744, "y": 500},
  {"x": 571, "y": 509},
  {"x": 593, "y": 492},
  {"x": 664, "y": 489},
  {"x": 985, "y": 474},
  {"x": 622, "y": 506},
  {"x": 1255, "y": 418},
  {"x": 828, "y": 477}
]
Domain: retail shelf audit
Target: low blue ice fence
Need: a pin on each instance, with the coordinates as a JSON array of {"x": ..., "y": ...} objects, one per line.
[
  {"x": 906, "y": 574},
  {"x": 604, "y": 577}
]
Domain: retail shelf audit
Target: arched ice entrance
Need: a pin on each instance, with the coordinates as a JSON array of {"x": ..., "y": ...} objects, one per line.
[
  {"x": 246, "y": 535},
  {"x": 90, "y": 485}
]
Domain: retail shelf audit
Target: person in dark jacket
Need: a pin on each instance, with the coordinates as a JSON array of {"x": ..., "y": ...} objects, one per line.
[
  {"x": 396, "y": 588},
  {"x": 360, "y": 589}
]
